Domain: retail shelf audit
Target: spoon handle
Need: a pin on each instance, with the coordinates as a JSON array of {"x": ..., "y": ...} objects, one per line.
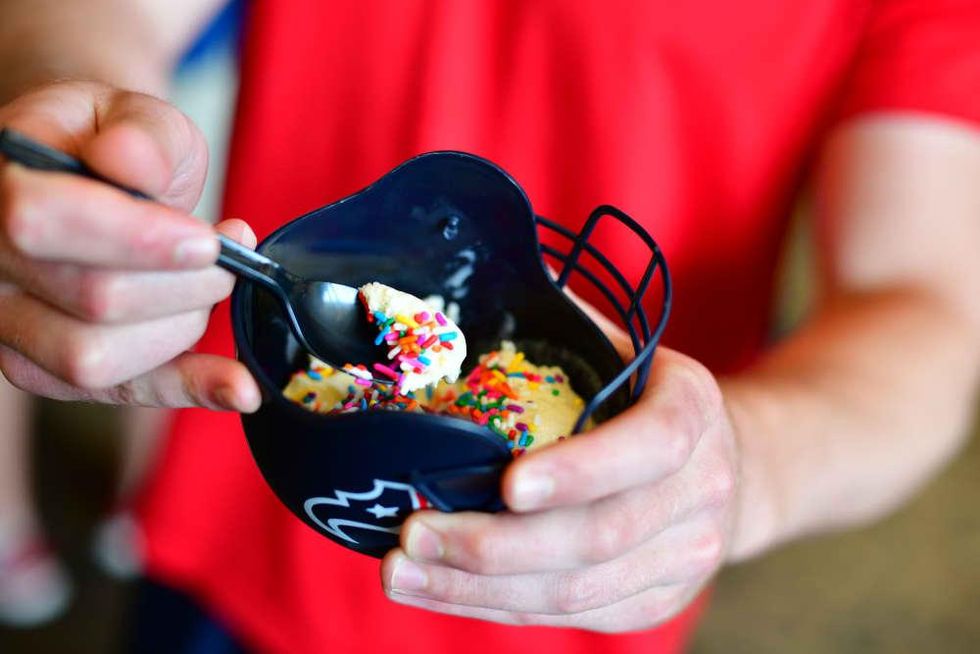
[
  {"x": 244, "y": 262},
  {"x": 233, "y": 257}
]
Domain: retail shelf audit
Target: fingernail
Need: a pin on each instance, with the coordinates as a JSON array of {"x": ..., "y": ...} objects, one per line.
[
  {"x": 423, "y": 543},
  {"x": 532, "y": 490},
  {"x": 408, "y": 577},
  {"x": 196, "y": 251}
]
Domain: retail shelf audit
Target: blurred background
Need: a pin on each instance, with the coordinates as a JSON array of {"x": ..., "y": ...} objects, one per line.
[{"x": 909, "y": 584}]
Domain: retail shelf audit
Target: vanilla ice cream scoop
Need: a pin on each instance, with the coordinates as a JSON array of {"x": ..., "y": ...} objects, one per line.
[{"x": 422, "y": 345}]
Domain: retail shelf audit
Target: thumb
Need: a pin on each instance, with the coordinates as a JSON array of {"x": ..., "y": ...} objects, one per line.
[{"x": 144, "y": 143}]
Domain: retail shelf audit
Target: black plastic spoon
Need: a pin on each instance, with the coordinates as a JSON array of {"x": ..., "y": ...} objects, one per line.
[{"x": 325, "y": 317}]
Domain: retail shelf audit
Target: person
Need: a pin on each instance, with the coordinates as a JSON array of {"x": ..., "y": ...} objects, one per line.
[
  {"x": 703, "y": 120},
  {"x": 34, "y": 586}
]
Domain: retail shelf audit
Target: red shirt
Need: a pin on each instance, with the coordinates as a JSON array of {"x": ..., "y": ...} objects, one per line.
[{"x": 698, "y": 118}]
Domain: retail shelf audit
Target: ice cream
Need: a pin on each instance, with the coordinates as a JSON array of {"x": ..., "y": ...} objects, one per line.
[
  {"x": 423, "y": 345},
  {"x": 525, "y": 404},
  {"x": 528, "y": 404}
]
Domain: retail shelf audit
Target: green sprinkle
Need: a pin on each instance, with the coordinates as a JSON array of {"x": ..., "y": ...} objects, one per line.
[{"x": 556, "y": 392}]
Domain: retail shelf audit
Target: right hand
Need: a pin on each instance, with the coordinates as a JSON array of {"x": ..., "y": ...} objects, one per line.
[{"x": 102, "y": 295}]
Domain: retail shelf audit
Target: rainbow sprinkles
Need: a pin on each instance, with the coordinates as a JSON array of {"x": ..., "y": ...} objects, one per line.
[
  {"x": 525, "y": 404},
  {"x": 422, "y": 345}
]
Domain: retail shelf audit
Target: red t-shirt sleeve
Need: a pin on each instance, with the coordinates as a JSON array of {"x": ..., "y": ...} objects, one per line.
[{"x": 918, "y": 55}]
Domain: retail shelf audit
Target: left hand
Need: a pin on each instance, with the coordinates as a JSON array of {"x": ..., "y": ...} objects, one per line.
[{"x": 615, "y": 530}]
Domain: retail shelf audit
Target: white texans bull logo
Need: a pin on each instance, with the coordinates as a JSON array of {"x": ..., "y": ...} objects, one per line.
[{"x": 383, "y": 508}]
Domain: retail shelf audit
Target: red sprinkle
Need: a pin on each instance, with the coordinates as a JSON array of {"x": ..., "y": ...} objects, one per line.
[{"x": 386, "y": 371}]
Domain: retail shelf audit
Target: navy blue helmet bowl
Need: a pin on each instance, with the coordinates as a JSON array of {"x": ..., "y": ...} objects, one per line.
[{"x": 445, "y": 223}]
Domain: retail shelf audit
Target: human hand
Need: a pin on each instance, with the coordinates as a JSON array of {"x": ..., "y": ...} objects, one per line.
[
  {"x": 614, "y": 530},
  {"x": 102, "y": 295}
]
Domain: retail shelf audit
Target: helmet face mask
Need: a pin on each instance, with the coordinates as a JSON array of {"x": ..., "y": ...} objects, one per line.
[{"x": 455, "y": 225}]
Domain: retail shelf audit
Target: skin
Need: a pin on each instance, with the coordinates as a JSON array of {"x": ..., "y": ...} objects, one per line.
[{"x": 612, "y": 532}]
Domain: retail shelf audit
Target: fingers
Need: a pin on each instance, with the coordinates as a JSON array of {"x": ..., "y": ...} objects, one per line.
[
  {"x": 149, "y": 145},
  {"x": 131, "y": 138},
  {"x": 61, "y": 115},
  {"x": 651, "y": 440},
  {"x": 641, "y": 611},
  {"x": 105, "y": 296},
  {"x": 681, "y": 555},
  {"x": 62, "y": 218},
  {"x": 93, "y": 356},
  {"x": 189, "y": 380},
  {"x": 560, "y": 539}
]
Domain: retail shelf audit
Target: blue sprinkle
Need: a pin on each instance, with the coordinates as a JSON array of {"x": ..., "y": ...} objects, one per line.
[
  {"x": 429, "y": 392},
  {"x": 550, "y": 379},
  {"x": 363, "y": 404},
  {"x": 426, "y": 360},
  {"x": 313, "y": 374},
  {"x": 515, "y": 374},
  {"x": 510, "y": 445},
  {"x": 381, "y": 335},
  {"x": 523, "y": 440},
  {"x": 450, "y": 336},
  {"x": 351, "y": 389},
  {"x": 380, "y": 317}
]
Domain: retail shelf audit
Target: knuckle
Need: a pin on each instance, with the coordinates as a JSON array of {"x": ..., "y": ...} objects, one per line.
[
  {"x": 98, "y": 296},
  {"x": 676, "y": 446},
  {"x": 575, "y": 593},
  {"x": 20, "y": 226},
  {"x": 611, "y": 534},
  {"x": 706, "y": 553},
  {"x": 124, "y": 394},
  {"x": 478, "y": 551},
  {"x": 719, "y": 487},
  {"x": 697, "y": 388},
  {"x": 83, "y": 362}
]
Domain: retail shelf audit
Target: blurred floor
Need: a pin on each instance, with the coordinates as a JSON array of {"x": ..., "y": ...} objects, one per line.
[{"x": 909, "y": 584}]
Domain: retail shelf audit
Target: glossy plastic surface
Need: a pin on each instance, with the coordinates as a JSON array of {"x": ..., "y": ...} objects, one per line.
[{"x": 443, "y": 223}]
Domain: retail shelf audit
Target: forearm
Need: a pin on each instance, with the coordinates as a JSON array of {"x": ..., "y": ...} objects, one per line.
[
  {"x": 130, "y": 44},
  {"x": 846, "y": 419}
]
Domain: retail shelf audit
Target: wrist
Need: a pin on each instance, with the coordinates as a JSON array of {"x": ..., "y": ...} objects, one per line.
[{"x": 760, "y": 512}]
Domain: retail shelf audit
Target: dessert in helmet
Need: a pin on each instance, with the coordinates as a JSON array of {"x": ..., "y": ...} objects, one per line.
[{"x": 526, "y": 404}]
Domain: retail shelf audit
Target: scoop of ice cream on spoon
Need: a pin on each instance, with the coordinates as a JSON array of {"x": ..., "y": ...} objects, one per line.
[{"x": 422, "y": 345}]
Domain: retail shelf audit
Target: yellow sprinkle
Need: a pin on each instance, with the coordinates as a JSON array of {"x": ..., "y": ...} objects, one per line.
[
  {"x": 533, "y": 385},
  {"x": 499, "y": 375},
  {"x": 515, "y": 363},
  {"x": 406, "y": 320}
]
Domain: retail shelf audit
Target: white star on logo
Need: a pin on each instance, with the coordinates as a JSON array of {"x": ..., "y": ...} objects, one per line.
[{"x": 383, "y": 511}]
